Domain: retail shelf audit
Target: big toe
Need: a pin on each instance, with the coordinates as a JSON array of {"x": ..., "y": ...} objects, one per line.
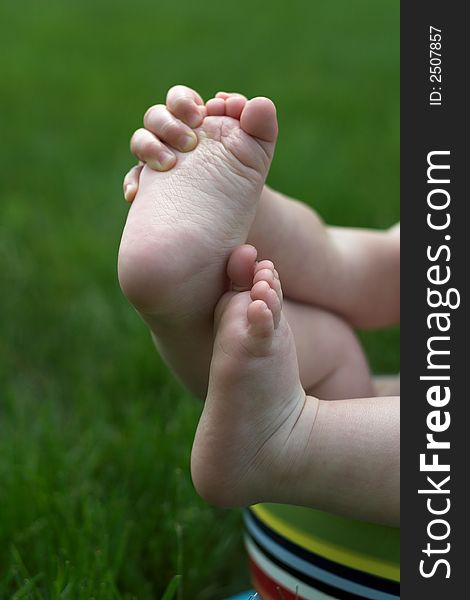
[
  {"x": 259, "y": 119},
  {"x": 240, "y": 267}
]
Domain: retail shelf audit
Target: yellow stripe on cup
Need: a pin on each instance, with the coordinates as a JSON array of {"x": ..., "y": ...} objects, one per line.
[{"x": 274, "y": 516}]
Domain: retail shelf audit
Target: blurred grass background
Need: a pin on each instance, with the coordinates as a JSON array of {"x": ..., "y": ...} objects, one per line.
[{"x": 95, "y": 495}]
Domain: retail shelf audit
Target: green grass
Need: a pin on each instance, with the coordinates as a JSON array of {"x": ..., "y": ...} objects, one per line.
[{"x": 95, "y": 496}]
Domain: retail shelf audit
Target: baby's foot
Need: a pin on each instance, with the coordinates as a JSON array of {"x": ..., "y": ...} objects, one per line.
[
  {"x": 184, "y": 223},
  {"x": 255, "y": 399}
]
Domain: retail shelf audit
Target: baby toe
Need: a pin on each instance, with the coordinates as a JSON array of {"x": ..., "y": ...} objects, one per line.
[
  {"x": 261, "y": 320},
  {"x": 234, "y": 106},
  {"x": 278, "y": 289},
  {"x": 264, "y": 292},
  {"x": 215, "y": 107},
  {"x": 265, "y": 271},
  {"x": 265, "y": 264}
]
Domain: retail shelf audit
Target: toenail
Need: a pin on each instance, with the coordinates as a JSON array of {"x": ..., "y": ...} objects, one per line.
[
  {"x": 165, "y": 160},
  {"x": 187, "y": 142}
]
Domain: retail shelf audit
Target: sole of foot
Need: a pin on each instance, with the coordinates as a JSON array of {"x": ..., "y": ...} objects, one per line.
[{"x": 184, "y": 223}]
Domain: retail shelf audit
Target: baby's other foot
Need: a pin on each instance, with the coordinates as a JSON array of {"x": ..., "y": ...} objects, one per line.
[
  {"x": 254, "y": 399},
  {"x": 184, "y": 223}
]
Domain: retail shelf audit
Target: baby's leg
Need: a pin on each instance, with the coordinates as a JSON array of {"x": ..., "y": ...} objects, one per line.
[
  {"x": 354, "y": 272},
  {"x": 261, "y": 439},
  {"x": 332, "y": 364}
]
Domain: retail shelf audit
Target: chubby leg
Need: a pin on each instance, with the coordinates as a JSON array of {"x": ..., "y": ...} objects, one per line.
[
  {"x": 332, "y": 363},
  {"x": 353, "y": 272},
  {"x": 262, "y": 439}
]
